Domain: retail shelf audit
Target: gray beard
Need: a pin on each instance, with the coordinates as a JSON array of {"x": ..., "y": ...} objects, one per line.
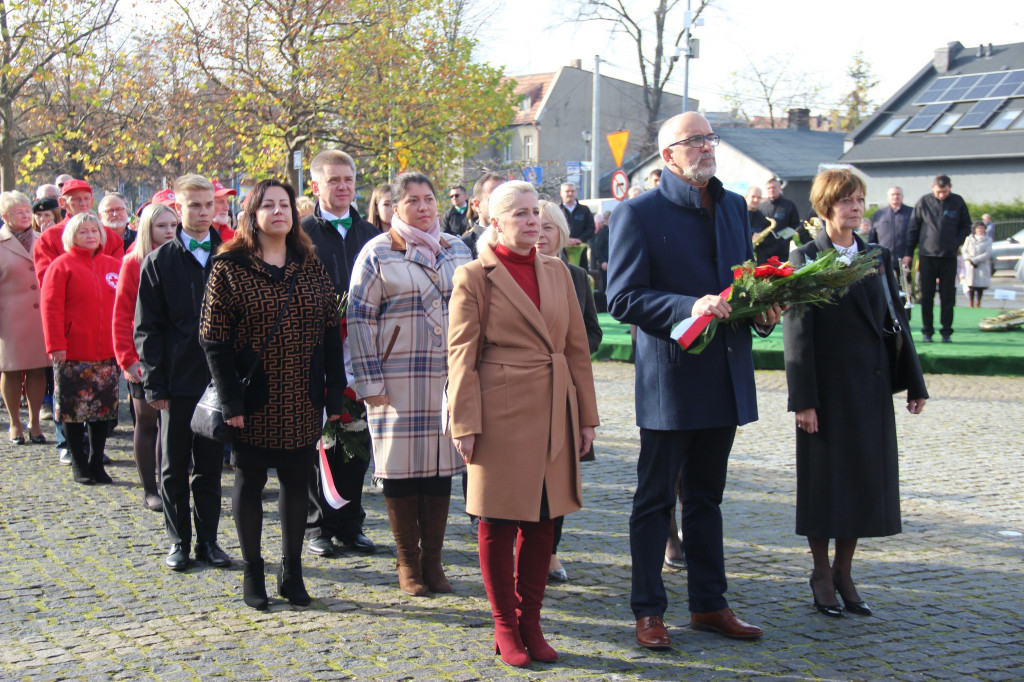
[{"x": 698, "y": 176}]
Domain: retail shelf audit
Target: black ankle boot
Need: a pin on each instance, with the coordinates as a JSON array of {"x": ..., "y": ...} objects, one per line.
[
  {"x": 80, "y": 467},
  {"x": 96, "y": 470},
  {"x": 254, "y": 587},
  {"x": 290, "y": 585}
]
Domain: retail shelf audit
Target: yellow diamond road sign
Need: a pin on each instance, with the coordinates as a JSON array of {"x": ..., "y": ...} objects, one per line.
[{"x": 617, "y": 141}]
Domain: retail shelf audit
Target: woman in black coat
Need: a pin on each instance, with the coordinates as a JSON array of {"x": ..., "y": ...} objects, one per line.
[
  {"x": 840, "y": 387},
  {"x": 269, "y": 271}
]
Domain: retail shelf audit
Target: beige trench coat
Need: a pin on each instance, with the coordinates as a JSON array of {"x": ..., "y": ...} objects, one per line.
[
  {"x": 21, "y": 321},
  {"x": 533, "y": 390}
]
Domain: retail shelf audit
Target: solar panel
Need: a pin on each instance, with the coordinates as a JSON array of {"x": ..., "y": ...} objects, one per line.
[
  {"x": 980, "y": 113},
  {"x": 932, "y": 94},
  {"x": 1013, "y": 80},
  {"x": 957, "y": 91},
  {"x": 985, "y": 86},
  {"x": 1004, "y": 120},
  {"x": 925, "y": 118}
]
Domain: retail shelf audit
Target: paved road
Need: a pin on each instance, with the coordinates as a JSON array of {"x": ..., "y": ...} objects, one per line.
[{"x": 83, "y": 594}]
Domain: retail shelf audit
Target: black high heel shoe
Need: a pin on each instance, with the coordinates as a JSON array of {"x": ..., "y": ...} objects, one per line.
[
  {"x": 833, "y": 610},
  {"x": 859, "y": 607}
]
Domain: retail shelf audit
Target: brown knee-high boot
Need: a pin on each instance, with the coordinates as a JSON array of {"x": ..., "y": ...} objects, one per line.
[
  {"x": 433, "y": 523},
  {"x": 404, "y": 512},
  {"x": 496, "y": 541},
  {"x": 533, "y": 553}
]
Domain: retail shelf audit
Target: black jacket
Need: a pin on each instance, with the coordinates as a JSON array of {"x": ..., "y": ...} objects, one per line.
[
  {"x": 171, "y": 289},
  {"x": 471, "y": 237},
  {"x": 454, "y": 221},
  {"x": 581, "y": 222},
  {"x": 784, "y": 212},
  {"x": 938, "y": 227},
  {"x": 337, "y": 255},
  {"x": 890, "y": 229},
  {"x": 769, "y": 246}
]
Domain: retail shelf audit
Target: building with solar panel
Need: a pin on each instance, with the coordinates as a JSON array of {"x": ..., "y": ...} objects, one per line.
[{"x": 961, "y": 115}]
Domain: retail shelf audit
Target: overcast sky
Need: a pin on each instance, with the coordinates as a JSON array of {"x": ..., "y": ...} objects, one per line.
[{"x": 898, "y": 38}]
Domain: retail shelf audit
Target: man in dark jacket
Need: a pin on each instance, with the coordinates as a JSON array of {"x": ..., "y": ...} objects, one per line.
[
  {"x": 172, "y": 283},
  {"x": 482, "y": 189},
  {"x": 338, "y": 233},
  {"x": 454, "y": 221},
  {"x": 784, "y": 213},
  {"x": 579, "y": 217},
  {"x": 671, "y": 251},
  {"x": 891, "y": 224},
  {"x": 940, "y": 224}
]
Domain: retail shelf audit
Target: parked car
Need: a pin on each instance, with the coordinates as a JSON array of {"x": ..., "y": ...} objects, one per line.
[{"x": 1006, "y": 252}]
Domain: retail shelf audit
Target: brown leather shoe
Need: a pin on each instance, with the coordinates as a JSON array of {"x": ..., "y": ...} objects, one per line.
[
  {"x": 726, "y": 623},
  {"x": 651, "y": 633}
]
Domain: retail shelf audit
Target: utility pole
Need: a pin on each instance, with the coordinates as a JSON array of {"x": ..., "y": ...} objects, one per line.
[
  {"x": 686, "y": 59},
  {"x": 595, "y": 128}
]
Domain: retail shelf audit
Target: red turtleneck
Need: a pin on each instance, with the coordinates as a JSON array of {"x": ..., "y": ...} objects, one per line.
[{"x": 521, "y": 269}]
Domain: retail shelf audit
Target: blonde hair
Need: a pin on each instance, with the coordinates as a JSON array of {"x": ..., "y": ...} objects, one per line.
[
  {"x": 552, "y": 212},
  {"x": 329, "y": 157},
  {"x": 75, "y": 224},
  {"x": 305, "y": 206},
  {"x": 191, "y": 183},
  {"x": 501, "y": 203},
  {"x": 144, "y": 242},
  {"x": 9, "y": 200}
]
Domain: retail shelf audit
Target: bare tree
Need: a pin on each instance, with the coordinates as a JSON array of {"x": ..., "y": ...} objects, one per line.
[
  {"x": 771, "y": 86},
  {"x": 653, "y": 32}
]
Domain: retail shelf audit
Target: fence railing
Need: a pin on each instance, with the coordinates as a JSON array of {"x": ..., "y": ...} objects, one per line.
[{"x": 1007, "y": 228}]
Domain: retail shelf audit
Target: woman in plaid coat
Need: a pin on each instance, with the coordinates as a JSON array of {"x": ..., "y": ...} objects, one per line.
[{"x": 398, "y": 330}]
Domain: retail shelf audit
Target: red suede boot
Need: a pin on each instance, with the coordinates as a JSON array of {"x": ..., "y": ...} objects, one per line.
[
  {"x": 533, "y": 553},
  {"x": 496, "y": 541}
]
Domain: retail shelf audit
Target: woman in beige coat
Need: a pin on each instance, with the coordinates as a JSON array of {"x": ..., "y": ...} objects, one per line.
[
  {"x": 977, "y": 255},
  {"x": 522, "y": 409},
  {"x": 22, "y": 352}
]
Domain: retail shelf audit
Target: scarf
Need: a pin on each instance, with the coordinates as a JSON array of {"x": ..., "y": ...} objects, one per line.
[{"x": 425, "y": 241}]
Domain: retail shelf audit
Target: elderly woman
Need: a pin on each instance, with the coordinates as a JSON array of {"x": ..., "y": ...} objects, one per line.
[
  {"x": 381, "y": 208},
  {"x": 977, "y": 255},
  {"x": 156, "y": 227},
  {"x": 523, "y": 411},
  {"x": 553, "y": 238},
  {"x": 840, "y": 387},
  {"x": 22, "y": 354},
  {"x": 270, "y": 305},
  {"x": 78, "y": 306},
  {"x": 398, "y": 331}
]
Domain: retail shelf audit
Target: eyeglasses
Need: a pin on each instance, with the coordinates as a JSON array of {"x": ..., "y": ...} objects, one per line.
[{"x": 697, "y": 141}]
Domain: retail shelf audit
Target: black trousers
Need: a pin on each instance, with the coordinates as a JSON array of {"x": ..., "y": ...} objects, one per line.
[
  {"x": 703, "y": 458},
  {"x": 943, "y": 269},
  {"x": 180, "y": 448},
  {"x": 323, "y": 520}
]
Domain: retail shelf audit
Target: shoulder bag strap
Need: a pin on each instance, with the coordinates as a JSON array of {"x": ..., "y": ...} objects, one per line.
[{"x": 273, "y": 330}]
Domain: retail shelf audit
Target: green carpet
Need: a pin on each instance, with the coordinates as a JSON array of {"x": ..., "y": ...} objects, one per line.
[{"x": 972, "y": 351}]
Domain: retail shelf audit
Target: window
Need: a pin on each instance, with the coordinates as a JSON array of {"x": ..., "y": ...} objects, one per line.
[
  {"x": 525, "y": 103},
  {"x": 1004, "y": 120},
  {"x": 527, "y": 147},
  {"x": 945, "y": 123},
  {"x": 928, "y": 115},
  {"x": 1018, "y": 124},
  {"x": 507, "y": 153},
  {"x": 893, "y": 125}
]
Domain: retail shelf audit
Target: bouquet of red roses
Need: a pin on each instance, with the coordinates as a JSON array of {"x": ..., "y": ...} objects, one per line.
[{"x": 756, "y": 288}]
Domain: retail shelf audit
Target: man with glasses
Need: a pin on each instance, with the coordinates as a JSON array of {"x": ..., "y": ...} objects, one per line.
[
  {"x": 454, "y": 221},
  {"x": 113, "y": 210},
  {"x": 671, "y": 255}
]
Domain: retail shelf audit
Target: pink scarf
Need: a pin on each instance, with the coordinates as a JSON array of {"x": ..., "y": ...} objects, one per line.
[{"x": 426, "y": 242}]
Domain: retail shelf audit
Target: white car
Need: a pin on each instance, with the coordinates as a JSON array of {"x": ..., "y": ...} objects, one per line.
[{"x": 1006, "y": 252}]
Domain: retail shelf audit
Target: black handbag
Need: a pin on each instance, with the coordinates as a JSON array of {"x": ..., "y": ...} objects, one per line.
[
  {"x": 894, "y": 335},
  {"x": 208, "y": 418}
]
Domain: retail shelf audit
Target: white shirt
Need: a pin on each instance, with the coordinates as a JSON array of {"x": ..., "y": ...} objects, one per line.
[
  {"x": 200, "y": 255},
  {"x": 328, "y": 216}
]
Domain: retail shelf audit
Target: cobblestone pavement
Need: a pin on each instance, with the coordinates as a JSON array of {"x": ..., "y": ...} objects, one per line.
[{"x": 84, "y": 594}]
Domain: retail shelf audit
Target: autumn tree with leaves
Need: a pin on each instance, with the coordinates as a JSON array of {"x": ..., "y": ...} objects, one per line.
[{"x": 858, "y": 101}]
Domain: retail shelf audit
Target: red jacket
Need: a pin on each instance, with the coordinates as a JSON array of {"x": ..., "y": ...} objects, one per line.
[
  {"x": 78, "y": 305},
  {"x": 124, "y": 313},
  {"x": 49, "y": 247}
]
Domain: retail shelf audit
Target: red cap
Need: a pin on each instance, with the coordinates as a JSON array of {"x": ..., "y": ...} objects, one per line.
[
  {"x": 165, "y": 197},
  {"x": 220, "y": 190},
  {"x": 72, "y": 185}
]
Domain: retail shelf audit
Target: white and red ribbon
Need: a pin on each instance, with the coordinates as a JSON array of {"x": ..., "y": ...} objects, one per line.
[
  {"x": 327, "y": 481},
  {"x": 689, "y": 330}
]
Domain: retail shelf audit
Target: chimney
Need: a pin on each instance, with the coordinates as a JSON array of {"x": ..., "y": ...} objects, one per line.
[
  {"x": 799, "y": 119},
  {"x": 988, "y": 51},
  {"x": 944, "y": 56},
  {"x": 576, "y": 64},
  {"x": 980, "y": 52}
]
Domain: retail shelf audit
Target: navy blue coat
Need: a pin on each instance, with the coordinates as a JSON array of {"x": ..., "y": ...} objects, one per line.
[{"x": 665, "y": 252}]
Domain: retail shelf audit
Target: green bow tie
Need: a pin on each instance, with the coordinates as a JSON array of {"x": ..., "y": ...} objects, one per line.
[
  {"x": 193, "y": 245},
  {"x": 342, "y": 222}
]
